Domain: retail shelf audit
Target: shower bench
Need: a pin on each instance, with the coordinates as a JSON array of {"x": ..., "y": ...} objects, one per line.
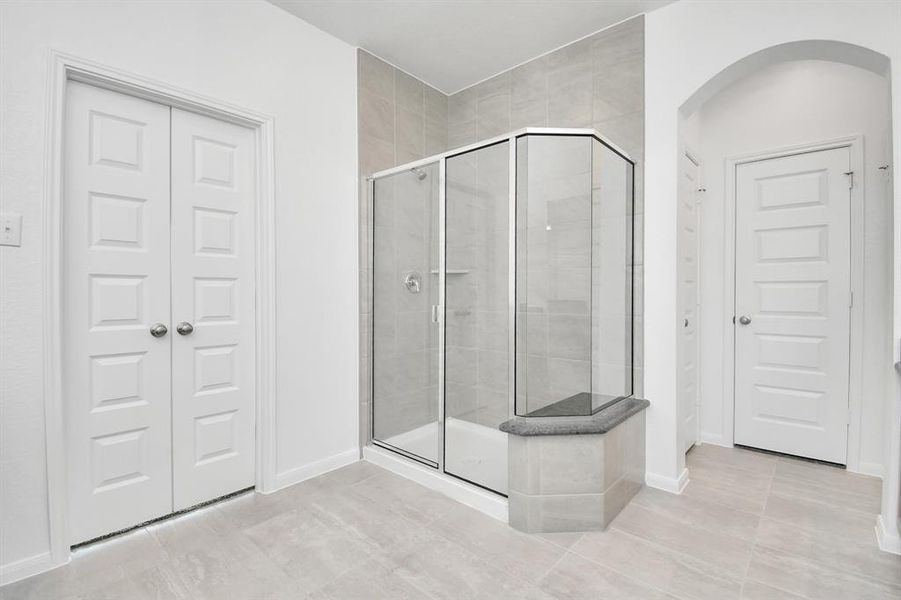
[{"x": 575, "y": 473}]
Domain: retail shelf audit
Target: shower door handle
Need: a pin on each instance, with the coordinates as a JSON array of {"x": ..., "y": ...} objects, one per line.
[{"x": 435, "y": 313}]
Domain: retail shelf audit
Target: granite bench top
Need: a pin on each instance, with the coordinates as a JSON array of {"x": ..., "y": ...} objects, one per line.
[{"x": 600, "y": 422}]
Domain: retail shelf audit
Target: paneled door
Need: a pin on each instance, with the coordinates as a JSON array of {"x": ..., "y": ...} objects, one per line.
[
  {"x": 687, "y": 219},
  {"x": 213, "y": 188},
  {"x": 158, "y": 318},
  {"x": 116, "y": 307},
  {"x": 792, "y": 301}
]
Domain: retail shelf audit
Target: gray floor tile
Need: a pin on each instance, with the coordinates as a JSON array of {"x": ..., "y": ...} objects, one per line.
[
  {"x": 370, "y": 520},
  {"x": 575, "y": 577},
  {"x": 749, "y": 525},
  {"x": 565, "y": 539},
  {"x": 193, "y": 531},
  {"x": 838, "y": 552},
  {"x": 754, "y": 590},
  {"x": 737, "y": 488},
  {"x": 727, "y": 556},
  {"x": 523, "y": 556},
  {"x": 411, "y": 500},
  {"x": 699, "y": 512},
  {"x": 156, "y": 583},
  {"x": 373, "y": 580},
  {"x": 806, "y": 514},
  {"x": 750, "y": 501},
  {"x": 59, "y": 583},
  {"x": 836, "y": 478},
  {"x": 310, "y": 546},
  {"x": 235, "y": 571},
  {"x": 444, "y": 569},
  {"x": 655, "y": 566},
  {"x": 252, "y": 508},
  {"x": 842, "y": 495},
  {"x": 708, "y": 454},
  {"x": 813, "y": 580}
]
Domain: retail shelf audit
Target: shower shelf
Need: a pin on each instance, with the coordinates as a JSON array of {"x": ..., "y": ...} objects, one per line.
[{"x": 450, "y": 271}]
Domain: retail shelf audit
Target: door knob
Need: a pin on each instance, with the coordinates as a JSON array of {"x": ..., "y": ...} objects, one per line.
[
  {"x": 184, "y": 328},
  {"x": 158, "y": 330},
  {"x": 744, "y": 319}
]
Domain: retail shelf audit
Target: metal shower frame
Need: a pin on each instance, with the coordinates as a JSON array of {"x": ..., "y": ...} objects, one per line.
[{"x": 441, "y": 159}]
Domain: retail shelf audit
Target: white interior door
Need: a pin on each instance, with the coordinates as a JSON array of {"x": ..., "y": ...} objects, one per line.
[
  {"x": 213, "y": 191},
  {"x": 689, "y": 184},
  {"x": 116, "y": 265},
  {"x": 792, "y": 300}
]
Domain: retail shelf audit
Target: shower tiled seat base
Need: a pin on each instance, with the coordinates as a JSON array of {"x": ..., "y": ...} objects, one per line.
[{"x": 575, "y": 473}]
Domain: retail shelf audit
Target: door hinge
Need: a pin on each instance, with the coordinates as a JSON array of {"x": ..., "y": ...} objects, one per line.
[
  {"x": 850, "y": 175},
  {"x": 851, "y": 301}
]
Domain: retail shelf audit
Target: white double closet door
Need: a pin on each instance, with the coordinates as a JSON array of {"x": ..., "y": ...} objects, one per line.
[{"x": 158, "y": 239}]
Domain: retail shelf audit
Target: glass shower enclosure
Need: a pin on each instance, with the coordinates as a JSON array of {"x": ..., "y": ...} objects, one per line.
[{"x": 501, "y": 287}]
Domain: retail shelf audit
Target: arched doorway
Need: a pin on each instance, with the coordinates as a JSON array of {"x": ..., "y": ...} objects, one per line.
[{"x": 803, "y": 376}]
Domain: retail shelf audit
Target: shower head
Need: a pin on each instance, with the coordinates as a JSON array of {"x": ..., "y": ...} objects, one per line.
[{"x": 420, "y": 174}]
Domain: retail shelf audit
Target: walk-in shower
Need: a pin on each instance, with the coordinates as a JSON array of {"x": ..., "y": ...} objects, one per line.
[{"x": 501, "y": 287}]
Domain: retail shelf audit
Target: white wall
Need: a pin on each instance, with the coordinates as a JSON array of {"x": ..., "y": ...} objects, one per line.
[
  {"x": 789, "y": 104},
  {"x": 246, "y": 53},
  {"x": 688, "y": 43}
]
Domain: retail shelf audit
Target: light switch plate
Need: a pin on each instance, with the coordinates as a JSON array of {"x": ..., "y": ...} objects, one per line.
[{"x": 10, "y": 229}]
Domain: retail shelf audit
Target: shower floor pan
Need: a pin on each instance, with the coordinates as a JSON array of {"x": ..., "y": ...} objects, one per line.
[{"x": 475, "y": 453}]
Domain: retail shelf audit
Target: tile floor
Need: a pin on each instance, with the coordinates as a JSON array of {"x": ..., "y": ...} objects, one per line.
[{"x": 749, "y": 525}]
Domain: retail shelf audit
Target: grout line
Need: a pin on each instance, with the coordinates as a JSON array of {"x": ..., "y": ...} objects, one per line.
[
  {"x": 549, "y": 52},
  {"x": 835, "y": 567},
  {"x": 775, "y": 587},
  {"x": 554, "y": 565},
  {"x": 754, "y": 543},
  {"x": 823, "y": 504},
  {"x": 703, "y": 525},
  {"x": 632, "y": 578},
  {"x": 683, "y": 558}
]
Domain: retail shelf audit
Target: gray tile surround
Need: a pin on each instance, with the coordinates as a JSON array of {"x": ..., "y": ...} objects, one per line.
[
  {"x": 363, "y": 533},
  {"x": 596, "y": 82},
  {"x": 400, "y": 119},
  {"x": 561, "y": 483}
]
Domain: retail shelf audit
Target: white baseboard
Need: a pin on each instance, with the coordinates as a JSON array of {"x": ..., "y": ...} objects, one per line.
[
  {"x": 714, "y": 439},
  {"x": 868, "y": 468},
  {"x": 314, "y": 469},
  {"x": 667, "y": 484},
  {"x": 491, "y": 504},
  {"x": 889, "y": 541},
  {"x": 33, "y": 565}
]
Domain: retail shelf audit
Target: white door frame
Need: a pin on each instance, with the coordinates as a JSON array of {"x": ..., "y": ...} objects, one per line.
[
  {"x": 689, "y": 153},
  {"x": 64, "y": 68},
  {"x": 855, "y": 146}
]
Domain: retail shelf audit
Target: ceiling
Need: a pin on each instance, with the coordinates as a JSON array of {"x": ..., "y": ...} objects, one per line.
[{"x": 454, "y": 44}]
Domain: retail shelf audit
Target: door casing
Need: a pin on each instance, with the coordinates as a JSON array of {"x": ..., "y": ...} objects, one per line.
[
  {"x": 855, "y": 146},
  {"x": 695, "y": 435},
  {"x": 64, "y": 68}
]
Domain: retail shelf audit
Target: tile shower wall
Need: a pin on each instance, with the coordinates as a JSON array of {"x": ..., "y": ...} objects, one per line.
[
  {"x": 595, "y": 82},
  {"x": 400, "y": 119},
  {"x": 405, "y": 340},
  {"x": 477, "y": 299}
]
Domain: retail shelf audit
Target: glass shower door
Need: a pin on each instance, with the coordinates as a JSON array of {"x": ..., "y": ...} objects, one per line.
[
  {"x": 477, "y": 369},
  {"x": 405, "y": 298}
]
